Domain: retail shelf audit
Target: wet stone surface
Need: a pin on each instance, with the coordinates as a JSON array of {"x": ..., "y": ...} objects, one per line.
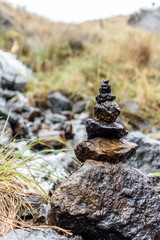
[
  {"x": 108, "y": 201},
  {"x": 98, "y": 128},
  {"x": 107, "y": 111},
  {"x": 105, "y": 97},
  {"x": 48, "y": 234},
  {"x": 102, "y": 149}
]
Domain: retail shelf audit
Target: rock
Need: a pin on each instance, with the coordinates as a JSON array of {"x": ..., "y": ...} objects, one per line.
[
  {"x": 4, "y": 111},
  {"x": 105, "y": 87},
  {"x": 105, "y": 97},
  {"x": 108, "y": 201},
  {"x": 48, "y": 234},
  {"x": 7, "y": 94},
  {"x": 21, "y": 128},
  {"x": 35, "y": 209},
  {"x": 68, "y": 114},
  {"x": 147, "y": 156},
  {"x": 102, "y": 149},
  {"x": 155, "y": 179},
  {"x": 107, "y": 111},
  {"x": 51, "y": 139},
  {"x": 98, "y": 128},
  {"x": 56, "y": 118},
  {"x": 59, "y": 102},
  {"x": 5, "y": 22},
  {"x": 79, "y": 107},
  {"x": 33, "y": 113},
  {"x": 68, "y": 129},
  {"x": 8, "y": 132},
  {"x": 105, "y": 92},
  {"x": 13, "y": 73},
  {"x": 12, "y": 81},
  {"x": 150, "y": 22}
]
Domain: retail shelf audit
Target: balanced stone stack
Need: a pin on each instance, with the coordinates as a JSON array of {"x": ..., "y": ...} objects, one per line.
[
  {"x": 105, "y": 198},
  {"x": 104, "y": 133}
]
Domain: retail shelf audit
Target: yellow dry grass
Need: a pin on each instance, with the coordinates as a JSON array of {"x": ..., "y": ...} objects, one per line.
[{"x": 128, "y": 56}]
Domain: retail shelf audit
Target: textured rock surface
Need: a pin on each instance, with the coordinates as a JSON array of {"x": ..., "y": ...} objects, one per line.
[
  {"x": 102, "y": 149},
  {"x": 105, "y": 97},
  {"x": 98, "y": 128},
  {"x": 59, "y": 102},
  {"x": 147, "y": 157},
  {"x": 49, "y": 234},
  {"x": 105, "y": 92},
  {"x": 108, "y": 201},
  {"x": 107, "y": 111}
]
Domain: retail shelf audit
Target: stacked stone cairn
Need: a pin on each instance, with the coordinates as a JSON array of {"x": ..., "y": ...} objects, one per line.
[
  {"x": 106, "y": 199},
  {"x": 104, "y": 133}
]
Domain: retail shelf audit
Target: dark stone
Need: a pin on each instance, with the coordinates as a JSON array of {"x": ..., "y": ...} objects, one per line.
[
  {"x": 35, "y": 209},
  {"x": 108, "y": 201},
  {"x": 12, "y": 81},
  {"x": 31, "y": 234},
  {"x": 59, "y": 102},
  {"x": 107, "y": 111},
  {"x": 147, "y": 157},
  {"x": 105, "y": 88},
  {"x": 98, "y": 128},
  {"x": 51, "y": 139},
  {"x": 68, "y": 129},
  {"x": 21, "y": 129},
  {"x": 105, "y": 97},
  {"x": 33, "y": 113},
  {"x": 7, "y": 94},
  {"x": 102, "y": 149}
]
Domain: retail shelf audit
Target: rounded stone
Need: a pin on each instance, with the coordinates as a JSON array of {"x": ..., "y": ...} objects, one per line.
[
  {"x": 107, "y": 111},
  {"x": 105, "y": 97},
  {"x": 98, "y": 128}
]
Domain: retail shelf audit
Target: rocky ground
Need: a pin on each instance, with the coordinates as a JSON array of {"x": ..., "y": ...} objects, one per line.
[{"x": 62, "y": 119}]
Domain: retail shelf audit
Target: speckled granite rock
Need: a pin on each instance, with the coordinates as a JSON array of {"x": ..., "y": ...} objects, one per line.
[{"x": 108, "y": 201}]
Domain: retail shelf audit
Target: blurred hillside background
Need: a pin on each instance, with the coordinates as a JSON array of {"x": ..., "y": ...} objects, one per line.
[{"x": 76, "y": 57}]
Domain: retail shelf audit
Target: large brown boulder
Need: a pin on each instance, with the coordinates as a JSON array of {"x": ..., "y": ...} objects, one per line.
[{"x": 108, "y": 201}]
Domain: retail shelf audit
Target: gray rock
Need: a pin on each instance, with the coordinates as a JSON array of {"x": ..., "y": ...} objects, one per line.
[
  {"x": 56, "y": 118},
  {"x": 150, "y": 21},
  {"x": 147, "y": 156},
  {"x": 4, "y": 111},
  {"x": 59, "y": 102},
  {"x": 49, "y": 234},
  {"x": 7, "y": 94},
  {"x": 8, "y": 132},
  {"x": 108, "y": 201},
  {"x": 11, "y": 80},
  {"x": 79, "y": 107},
  {"x": 5, "y": 22},
  {"x": 13, "y": 73}
]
